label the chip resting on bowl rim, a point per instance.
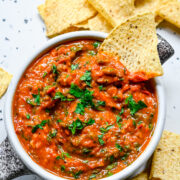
(135, 42)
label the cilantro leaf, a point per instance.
(54, 69)
(76, 125)
(104, 130)
(119, 147)
(28, 116)
(76, 91)
(96, 44)
(101, 103)
(39, 126)
(134, 107)
(122, 111)
(87, 78)
(118, 120)
(52, 134)
(59, 95)
(74, 66)
(80, 109)
(100, 138)
(77, 174)
(90, 122)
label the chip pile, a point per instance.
(61, 16)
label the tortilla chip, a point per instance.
(142, 6)
(166, 159)
(60, 15)
(99, 23)
(83, 26)
(135, 42)
(5, 79)
(41, 9)
(114, 11)
(142, 176)
(171, 12)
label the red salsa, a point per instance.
(80, 114)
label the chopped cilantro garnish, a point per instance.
(76, 91)
(109, 173)
(30, 102)
(86, 150)
(111, 166)
(63, 168)
(52, 134)
(28, 116)
(122, 111)
(96, 44)
(92, 176)
(134, 107)
(124, 157)
(85, 98)
(101, 103)
(44, 75)
(118, 120)
(39, 126)
(100, 138)
(101, 87)
(87, 78)
(59, 120)
(104, 130)
(150, 126)
(111, 158)
(90, 122)
(92, 53)
(59, 95)
(76, 125)
(74, 66)
(119, 147)
(134, 123)
(77, 174)
(58, 157)
(80, 109)
(140, 122)
(54, 69)
(37, 98)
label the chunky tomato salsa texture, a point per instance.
(80, 114)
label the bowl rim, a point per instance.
(33, 166)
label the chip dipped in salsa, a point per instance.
(80, 114)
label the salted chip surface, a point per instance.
(99, 23)
(142, 6)
(142, 176)
(60, 15)
(135, 42)
(166, 159)
(114, 11)
(170, 11)
(5, 79)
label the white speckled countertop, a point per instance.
(22, 31)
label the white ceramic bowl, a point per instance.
(132, 169)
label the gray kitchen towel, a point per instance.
(10, 165)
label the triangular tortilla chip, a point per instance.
(114, 11)
(142, 6)
(5, 79)
(99, 23)
(135, 42)
(60, 15)
(166, 158)
(170, 11)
